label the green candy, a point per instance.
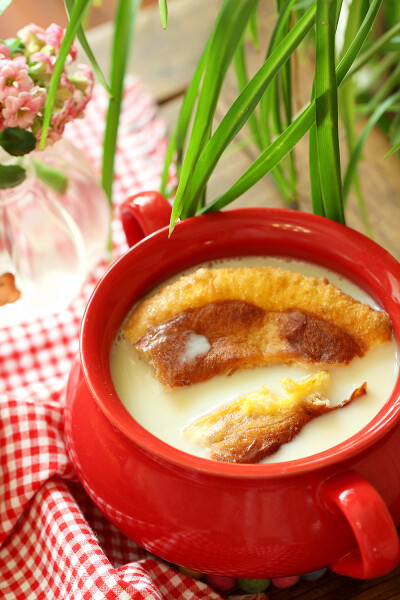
(253, 586)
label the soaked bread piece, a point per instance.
(257, 424)
(223, 337)
(220, 320)
(269, 288)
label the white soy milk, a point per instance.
(166, 412)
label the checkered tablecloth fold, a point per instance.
(54, 543)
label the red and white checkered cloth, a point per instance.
(54, 543)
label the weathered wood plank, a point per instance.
(165, 60)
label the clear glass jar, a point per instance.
(50, 242)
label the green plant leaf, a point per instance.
(17, 141)
(315, 181)
(3, 5)
(374, 49)
(69, 5)
(389, 85)
(395, 148)
(242, 78)
(178, 138)
(347, 95)
(253, 29)
(124, 26)
(56, 180)
(230, 24)
(15, 45)
(282, 145)
(163, 12)
(241, 109)
(356, 154)
(268, 160)
(77, 15)
(267, 103)
(326, 111)
(11, 176)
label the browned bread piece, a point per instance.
(270, 288)
(257, 424)
(235, 335)
(248, 317)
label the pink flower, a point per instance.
(83, 82)
(54, 35)
(22, 110)
(14, 77)
(5, 51)
(42, 63)
(33, 37)
(62, 117)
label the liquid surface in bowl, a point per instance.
(167, 412)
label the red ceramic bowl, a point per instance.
(335, 509)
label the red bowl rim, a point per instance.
(347, 239)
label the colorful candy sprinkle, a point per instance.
(285, 582)
(253, 586)
(221, 583)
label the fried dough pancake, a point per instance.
(250, 316)
(257, 424)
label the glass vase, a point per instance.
(50, 242)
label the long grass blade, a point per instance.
(269, 159)
(314, 167)
(314, 172)
(373, 49)
(253, 29)
(69, 4)
(242, 78)
(347, 92)
(388, 86)
(376, 72)
(285, 81)
(163, 12)
(231, 22)
(326, 111)
(77, 15)
(266, 103)
(357, 151)
(177, 140)
(243, 106)
(169, 157)
(124, 24)
(293, 134)
(395, 148)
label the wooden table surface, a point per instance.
(165, 60)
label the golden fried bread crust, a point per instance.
(269, 288)
(233, 433)
(251, 316)
(241, 336)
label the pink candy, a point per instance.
(285, 582)
(223, 584)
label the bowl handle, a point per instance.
(142, 214)
(378, 549)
